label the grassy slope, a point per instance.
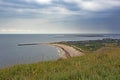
(102, 66)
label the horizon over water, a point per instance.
(11, 53)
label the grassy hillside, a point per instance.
(105, 65)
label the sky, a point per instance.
(59, 16)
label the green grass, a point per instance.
(92, 45)
(101, 65)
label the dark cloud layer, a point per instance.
(59, 16)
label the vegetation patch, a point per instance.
(92, 45)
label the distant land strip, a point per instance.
(29, 44)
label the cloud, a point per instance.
(15, 30)
(40, 1)
(81, 7)
(55, 15)
(33, 8)
(95, 5)
(101, 5)
(31, 26)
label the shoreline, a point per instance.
(65, 51)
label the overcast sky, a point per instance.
(59, 16)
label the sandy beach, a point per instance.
(66, 51)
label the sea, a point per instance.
(12, 54)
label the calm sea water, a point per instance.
(11, 54)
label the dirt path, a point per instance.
(66, 51)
